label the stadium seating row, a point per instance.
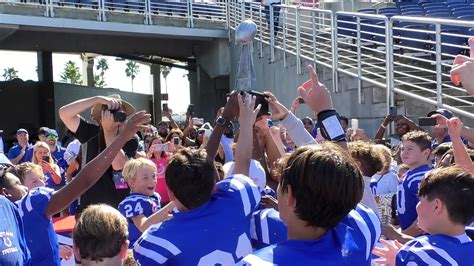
(411, 35)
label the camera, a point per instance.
(190, 110)
(119, 116)
(427, 121)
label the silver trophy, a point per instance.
(244, 35)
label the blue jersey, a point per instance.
(350, 242)
(137, 204)
(266, 228)
(16, 150)
(13, 249)
(39, 231)
(217, 232)
(407, 195)
(437, 250)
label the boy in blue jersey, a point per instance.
(37, 206)
(13, 248)
(415, 152)
(213, 223)
(318, 195)
(143, 201)
(100, 236)
(445, 207)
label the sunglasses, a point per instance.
(51, 137)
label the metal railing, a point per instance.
(149, 10)
(410, 56)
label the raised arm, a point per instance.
(463, 69)
(381, 131)
(318, 98)
(95, 168)
(69, 113)
(247, 116)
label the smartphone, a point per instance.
(427, 121)
(393, 111)
(300, 100)
(354, 124)
(176, 141)
(160, 147)
(45, 158)
(165, 107)
(260, 99)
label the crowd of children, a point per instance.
(283, 198)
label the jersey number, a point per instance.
(129, 208)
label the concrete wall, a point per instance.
(20, 105)
(283, 81)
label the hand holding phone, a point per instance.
(355, 124)
(176, 141)
(45, 158)
(160, 147)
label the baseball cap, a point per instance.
(446, 113)
(52, 133)
(21, 130)
(256, 173)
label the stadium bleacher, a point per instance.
(412, 35)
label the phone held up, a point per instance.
(426, 121)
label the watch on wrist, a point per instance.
(221, 121)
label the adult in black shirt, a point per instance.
(108, 190)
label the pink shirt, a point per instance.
(160, 177)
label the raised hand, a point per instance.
(279, 111)
(389, 253)
(455, 127)
(247, 113)
(295, 104)
(112, 103)
(317, 97)
(462, 71)
(136, 122)
(231, 108)
(107, 121)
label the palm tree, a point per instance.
(132, 70)
(71, 73)
(10, 73)
(165, 71)
(99, 80)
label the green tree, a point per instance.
(71, 74)
(165, 71)
(10, 73)
(102, 66)
(132, 70)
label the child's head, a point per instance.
(140, 175)
(320, 185)
(190, 177)
(101, 235)
(387, 157)
(10, 185)
(416, 148)
(369, 160)
(30, 174)
(445, 193)
(440, 151)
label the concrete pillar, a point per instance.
(211, 94)
(193, 84)
(155, 71)
(47, 112)
(88, 70)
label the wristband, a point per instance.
(330, 124)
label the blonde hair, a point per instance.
(40, 144)
(130, 170)
(24, 169)
(387, 157)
